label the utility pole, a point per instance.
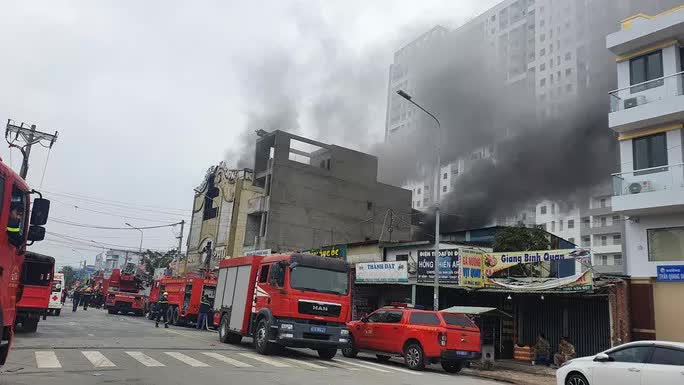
(391, 224)
(180, 243)
(30, 136)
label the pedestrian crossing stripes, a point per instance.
(187, 359)
(266, 360)
(113, 359)
(47, 360)
(98, 359)
(145, 359)
(228, 360)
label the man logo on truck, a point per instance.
(320, 307)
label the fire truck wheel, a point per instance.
(413, 356)
(30, 325)
(327, 354)
(58, 312)
(452, 366)
(225, 335)
(261, 337)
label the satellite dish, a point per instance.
(635, 188)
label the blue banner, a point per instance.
(671, 273)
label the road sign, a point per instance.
(671, 273)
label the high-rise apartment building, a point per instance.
(646, 114)
(551, 52)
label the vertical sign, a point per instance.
(448, 263)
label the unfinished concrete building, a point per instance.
(319, 194)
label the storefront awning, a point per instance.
(477, 310)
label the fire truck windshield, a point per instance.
(319, 280)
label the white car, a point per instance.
(634, 363)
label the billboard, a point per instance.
(336, 251)
(448, 263)
(376, 272)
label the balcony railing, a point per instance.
(663, 178)
(647, 92)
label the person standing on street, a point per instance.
(76, 298)
(86, 299)
(163, 307)
(65, 292)
(202, 318)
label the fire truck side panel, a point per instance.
(237, 287)
(36, 278)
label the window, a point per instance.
(376, 317)
(604, 240)
(393, 317)
(420, 318)
(585, 241)
(635, 354)
(278, 274)
(645, 68)
(666, 244)
(458, 320)
(650, 151)
(667, 356)
(617, 239)
(617, 259)
(603, 202)
(369, 205)
(571, 223)
(560, 225)
(553, 226)
(17, 216)
(553, 208)
(571, 240)
(263, 274)
(401, 257)
(603, 260)
(542, 52)
(568, 56)
(542, 67)
(604, 221)
(568, 71)
(542, 37)
(616, 219)
(444, 188)
(542, 209)
(444, 176)
(417, 203)
(425, 201)
(419, 192)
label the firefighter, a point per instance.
(163, 307)
(76, 298)
(14, 223)
(86, 298)
(202, 317)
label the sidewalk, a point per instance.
(515, 372)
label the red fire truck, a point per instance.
(295, 300)
(36, 278)
(126, 293)
(184, 297)
(14, 191)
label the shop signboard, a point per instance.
(376, 272)
(472, 263)
(671, 273)
(336, 251)
(448, 266)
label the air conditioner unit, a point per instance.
(635, 101)
(638, 187)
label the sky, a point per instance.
(147, 95)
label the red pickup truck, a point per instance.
(419, 336)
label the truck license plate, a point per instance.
(460, 353)
(318, 329)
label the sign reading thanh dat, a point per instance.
(372, 272)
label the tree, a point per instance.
(69, 275)
(153, 260)
(521, 238)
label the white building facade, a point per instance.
(647, 111)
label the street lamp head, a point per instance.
(404, 94)
(128, 224)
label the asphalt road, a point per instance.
(92, 347)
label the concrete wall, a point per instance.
(310, 206)
(637, 261)
(365, 253)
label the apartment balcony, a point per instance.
(258, 204)
(596, 211)
(606, 249)
(641, 31)
(597, 228)
(655, 102)
(649, 191)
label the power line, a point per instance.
(119, 203)
(77, 207)
(78, 224)
(88, 242)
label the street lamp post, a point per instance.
(141, 235)
(438, 171)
